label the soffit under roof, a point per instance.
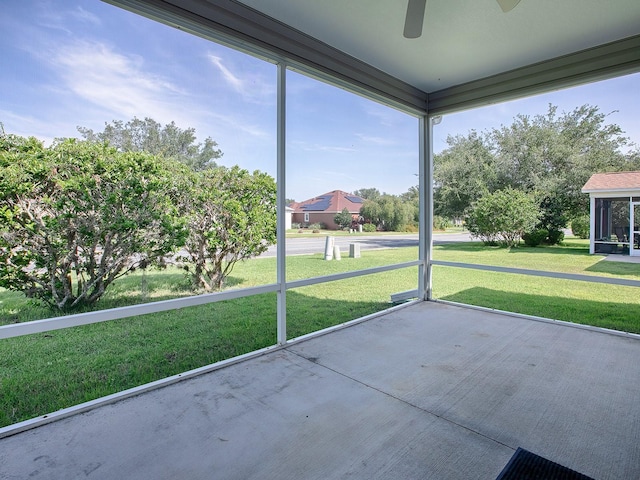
(462, 40)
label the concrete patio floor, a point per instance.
(621, 258)
(427, 391)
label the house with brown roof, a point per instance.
(323, 208)
(614, 212)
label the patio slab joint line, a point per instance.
(403, 401)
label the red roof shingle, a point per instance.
(331, 202)
(612, 181)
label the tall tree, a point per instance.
(412, 198)
(551, 155)
(463, 173)
(556, 154)
(389, 211)
(368, 193)
(168, 141)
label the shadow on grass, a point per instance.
(41, 373)
(546, 249)
(553, 250)
(612, 315)
(390, 242)
(15, 307)
(618, 269)
(306, 314)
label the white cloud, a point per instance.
(114, 81)
(51, 16)
(85, 16)
(251, 85)
(384, 115)
(238, 125)
(309, 147)
(26, 125)
(381, 141)
(332, 148)
(231, 79)
(93, 81)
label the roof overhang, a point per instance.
(613, 193)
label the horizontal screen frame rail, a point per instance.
(541, 273)
(75, 320)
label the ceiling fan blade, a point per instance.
(415, 18)
(507, 5)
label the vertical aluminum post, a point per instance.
(592, 224)
(281, 252)
(426, 205)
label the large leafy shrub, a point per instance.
(76, 216)
(503, 217)
(580, 226)
(231, 216)
(536, 237)
(343, 219)
(387, 211)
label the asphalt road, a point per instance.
(315, 244)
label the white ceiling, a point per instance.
(462, 40)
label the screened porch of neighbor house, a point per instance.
(615, 213)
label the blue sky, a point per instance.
(83, 63)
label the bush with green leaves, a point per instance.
(368, 227)
(503, 217)
(391, 212)
(343, 219)
(76, 216)
(555, 237)
(580, 226)
(536, 237)
(440, 223)
(552, 219)
(231, 216)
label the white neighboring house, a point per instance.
(287, 218)
(614, 212)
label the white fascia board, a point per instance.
(612, 193)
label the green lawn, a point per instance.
(44, 372)
(307, 232)
(608, 306)
(571, 257)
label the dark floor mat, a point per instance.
(525, 465)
